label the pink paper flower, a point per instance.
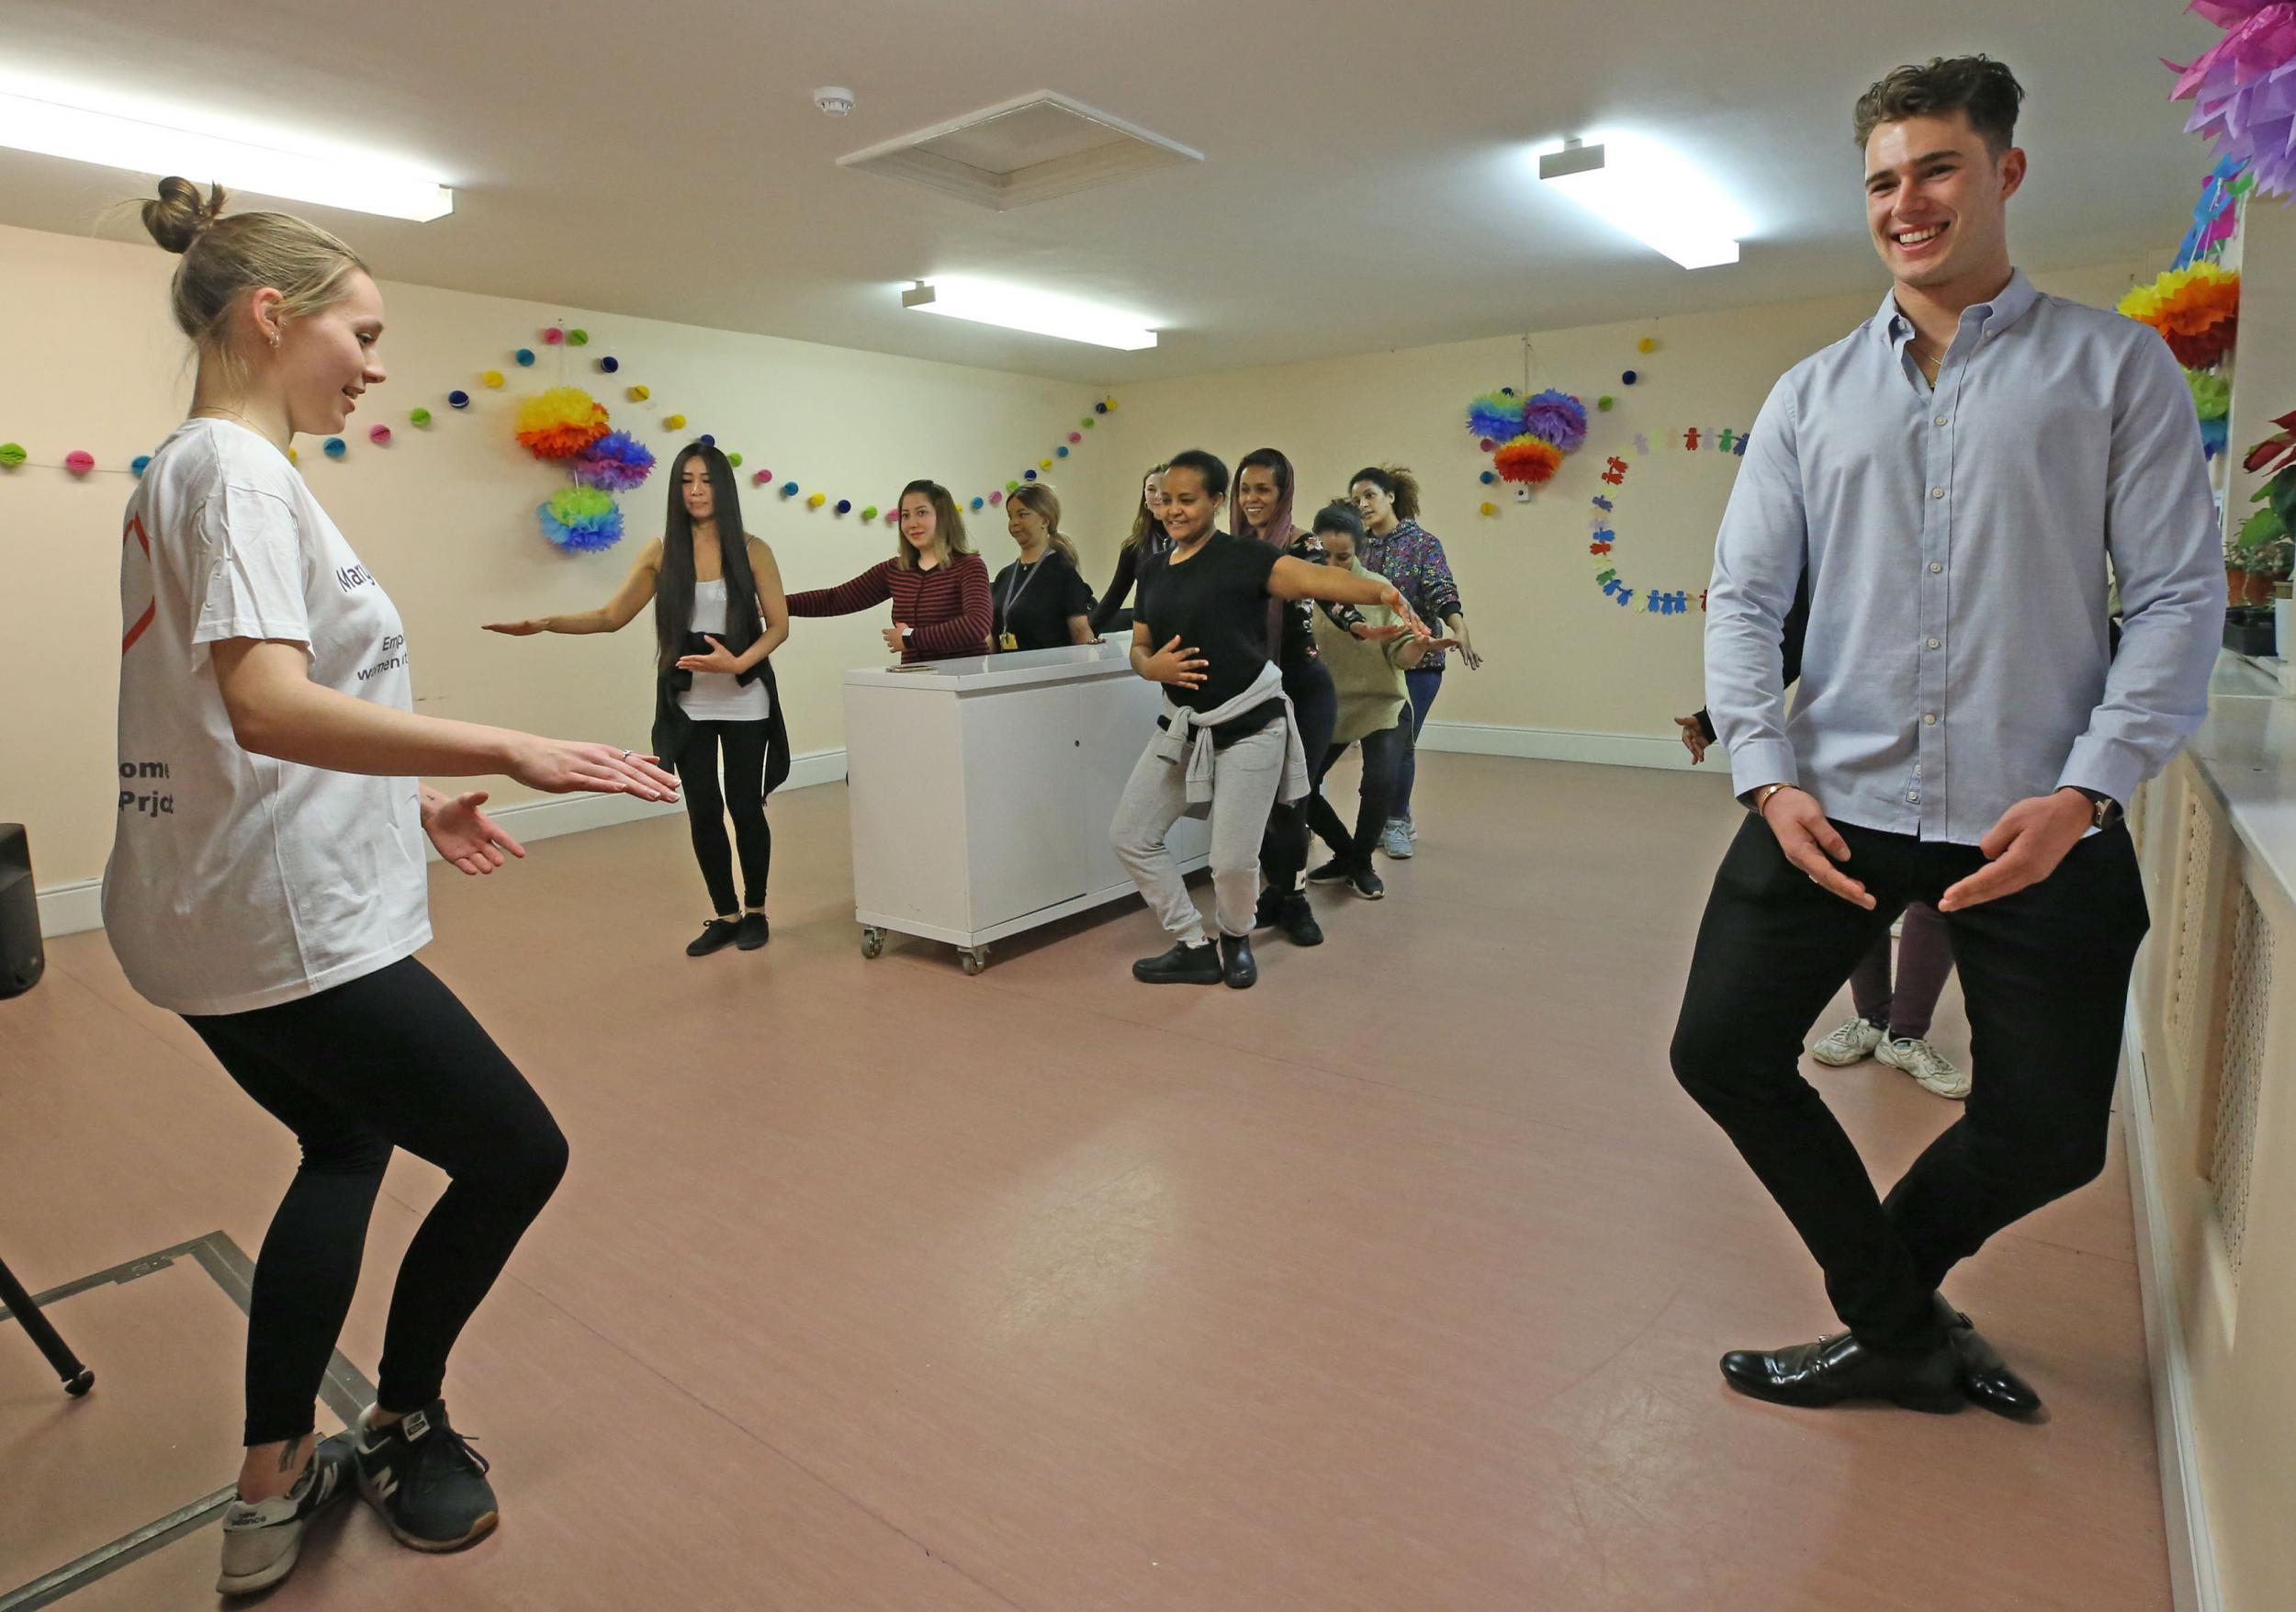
(2244, 87)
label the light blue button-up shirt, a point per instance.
(1957, 542)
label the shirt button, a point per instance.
(1930, 719)
(1939, 421)
(1937, 493)
(1914, 795)
(1935, 568)
(1937, 643)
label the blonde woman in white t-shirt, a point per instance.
(267, 881)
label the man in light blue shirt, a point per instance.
(1963, 478)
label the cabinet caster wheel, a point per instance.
(873, 943)
(974, 958)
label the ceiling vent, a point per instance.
(1023, 151)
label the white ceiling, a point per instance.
(1365, 184)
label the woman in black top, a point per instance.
(1040, 600)
(1264, 482)
(1227, 745)
(1146, 541)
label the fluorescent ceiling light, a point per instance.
(356, 181)
(1651, 193)
(1033, 312)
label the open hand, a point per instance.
(1694, 738)
(559, 766)
(465, 835)
(2023, 848)
(520, 629)
(1813, 844)
(720, 658)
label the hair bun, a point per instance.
(179, 217)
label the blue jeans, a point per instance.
(1424, 684)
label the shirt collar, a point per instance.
(2010, 304)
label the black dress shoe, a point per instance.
(716, 936)
(1298, 920)
(1986, 1378)
(1183, 964)
(1236, 962)
(1841, 1368)
(755, 932)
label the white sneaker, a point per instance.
(1397, 839)
(262, 1541)
(1853, 1043)
(1931, 1069)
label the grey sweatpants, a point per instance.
(1245, 777)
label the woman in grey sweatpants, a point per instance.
(1226, 746)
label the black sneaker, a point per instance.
(716, 936)
(427, 1481)
(1366, 883)
(1270, 912)
(753, 932)
(1183, 964)
(1236, 965)
(262, 1540)
(1298, 920)
(1331, 872)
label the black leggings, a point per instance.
(1384, 754)
(389, 1060)
(745, 745)
(1284, 846)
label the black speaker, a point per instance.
(22, 958)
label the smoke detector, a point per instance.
(836, 102)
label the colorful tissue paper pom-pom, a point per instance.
(2215, 434)
(2243, 88)
(79, 462)
(458, 400)
(616, 461)
(2211, 394)
(379, 435)
(1495, 415)
(560, 422)
(336, 448)
(1556, 417)
(580, 519)
(2195, 309)
(1528, 459)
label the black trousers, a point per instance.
(744, 797)
(2045, 976)
(388, 1060)
(1284, 846)
(1383, 756)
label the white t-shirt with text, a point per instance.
(238, 881)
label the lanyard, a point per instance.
(1019, 585)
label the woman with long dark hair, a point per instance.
(718, 616)
(938, 585)
(1145, 542)
(1263, 483)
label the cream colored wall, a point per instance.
(445, 515)
(1558, 654)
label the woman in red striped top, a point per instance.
(938, 585)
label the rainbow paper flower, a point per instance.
(578, 519)
(616, 462)
(1495, 415)
(1531, 459)
(2196, 310)
(2244, 87)
(561, 422)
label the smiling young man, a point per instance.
(1955, 476)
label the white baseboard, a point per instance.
(2191, 1547)
(66, 909)
(1559, 744)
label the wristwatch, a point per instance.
(2104, 812)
